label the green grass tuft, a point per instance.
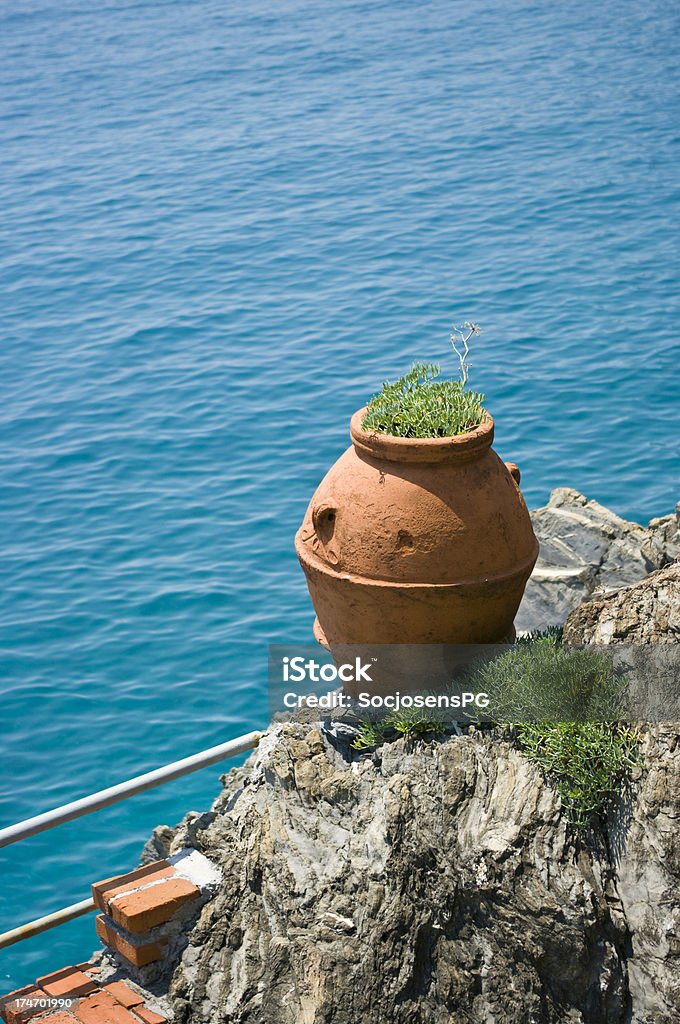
(412, 725)
(539, 680)
(420, 404)
(416, 723)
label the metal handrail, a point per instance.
(104, 798)
(112, 795)
(43, 924)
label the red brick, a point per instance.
(14, 1013)
(89, 968)
(139, 911)
(102, 1008)
(148, 1016)
(103, 891)
(137, 953)
(58, 1018)
(7, 1000)
(67, 982)
(124, 994)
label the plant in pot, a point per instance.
(419, 533)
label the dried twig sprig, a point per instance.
(460, 337)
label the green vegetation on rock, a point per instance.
(417, 724)
(560, 706)
(587, 763)
(563, 706)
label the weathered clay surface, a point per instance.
(417, 541)
(431, 885)
(586, 549)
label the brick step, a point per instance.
(145, 898)
(141, 911)
(74, 994)
(143, 908)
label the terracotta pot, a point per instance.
(411, 540)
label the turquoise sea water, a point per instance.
(222, 226)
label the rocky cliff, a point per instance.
(439, 881)
(648, 613)
(430, 885)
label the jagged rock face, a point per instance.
(584, 549)
(648, 852)
(645, 844)
(424, 886)
(647, 613)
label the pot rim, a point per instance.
(460, 448)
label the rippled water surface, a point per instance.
(222, 226)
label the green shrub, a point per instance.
(587, 762)
(538, 679)
(563, 705)
(370, 735)
(419, 404)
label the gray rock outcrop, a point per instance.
(587, 549)
(428, 885)
(646, 613)
(645, 844)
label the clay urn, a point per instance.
(417, 541)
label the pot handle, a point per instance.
(323, 521)
(513, 469)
